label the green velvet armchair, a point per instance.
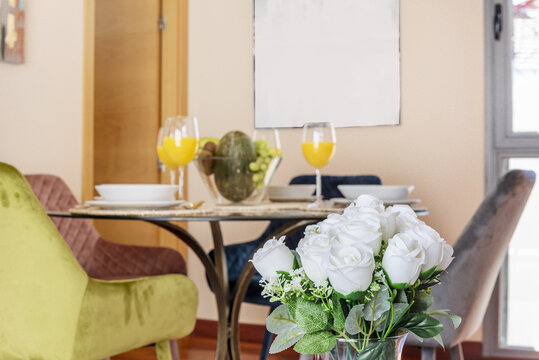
(50, 308)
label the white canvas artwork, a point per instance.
(326, 60)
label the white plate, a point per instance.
(344, 201)
(133, 204)
(382, 192)
(137, 192)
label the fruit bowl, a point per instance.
(232, 181)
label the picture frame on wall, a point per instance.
(12, 31)
(326, 60)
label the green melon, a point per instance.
(232, 176)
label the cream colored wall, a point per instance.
(41, 100)
(438, 146)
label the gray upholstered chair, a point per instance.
(479, 253)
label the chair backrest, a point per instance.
(330, 182)
(42, 283)
(80, 234)
(479, 253)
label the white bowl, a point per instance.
(382, 192)
(137, 192)
(291, 191)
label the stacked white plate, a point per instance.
(135, 196)
(389, 194)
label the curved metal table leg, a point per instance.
(215, 276)
(243, 282)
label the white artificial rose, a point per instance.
(350, 268)
(406, 218)
(403, 259)
(369, 201)
(432, 245)
(366, 231)
(314, 251)
(331, 225)
(388, 224)
(274, 256)
(447, 257)
(311, 229)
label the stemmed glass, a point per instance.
(163, 157)
(180, 144)
(318, 145)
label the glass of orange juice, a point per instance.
(165, 161)
(180, 145)
(318, 145)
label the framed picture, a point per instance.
(326, 60)
(12, 31)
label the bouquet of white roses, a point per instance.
(365, 274)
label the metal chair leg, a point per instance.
(456, 352)
(428, 353)
(266, 342)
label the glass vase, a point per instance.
(389, 348)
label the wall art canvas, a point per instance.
(12, 31)
(326, 60)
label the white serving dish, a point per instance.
(136, 192)
(291, 191)
(382, 192)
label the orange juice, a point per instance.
(181, 152)
(319, 154)
(164, 158)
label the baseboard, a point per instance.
(255, 333)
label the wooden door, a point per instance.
(127, 104)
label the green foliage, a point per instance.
(279, 320)
(339, 318)
(310, 316)
(422, 325)
(423, 302)
(456, 319)
(378, 350)
(354, 320)
(316, 343)
(287, 338)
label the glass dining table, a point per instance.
(295, 216)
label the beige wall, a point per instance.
(438, 147)
(41, 101)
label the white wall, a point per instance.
(41, 100)
(438, 147)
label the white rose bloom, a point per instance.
(447, 257)
(366, 231)
(406, 218)
(388, 224)
(350, 268)
(311, 229)
(314, 251)
(274, 256)
(369, 201)
(331, 225)
(403, 259)
(432, 244)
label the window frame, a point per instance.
(501, 143)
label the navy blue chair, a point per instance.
(238, 255)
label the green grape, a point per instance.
(254, 166)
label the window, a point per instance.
(512, 141)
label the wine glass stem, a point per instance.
(318, 185)
(172, 173)
(180, 183)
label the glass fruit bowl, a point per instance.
(231, 180)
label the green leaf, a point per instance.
(297, 260)
(378, 350)
(310, 316)
(401, 297)
(286, 339)
(353, 320)
(354, 296)
(338, 313)
(423, 302)
(438, 338)
(421, 325)
(316, 343)
(279, 320)
(455, 318)
(427, 273)
(378, 305)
